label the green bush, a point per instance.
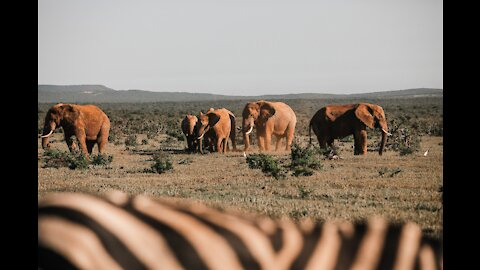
(55, 153)
(56, 159)
(162, 163)
(77, 161)
(304, 160)
(102, 159)
(268, 164)
(405, 141)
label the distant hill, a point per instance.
(103, 94)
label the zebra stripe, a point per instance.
(80, 231)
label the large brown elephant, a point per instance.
(217, 124)
(87, 122)
(189, 129)
(269, 118)
(338, 121)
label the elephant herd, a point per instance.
(216, 127)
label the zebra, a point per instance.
(118, 231)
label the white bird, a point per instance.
(244, 155)
(426, 153)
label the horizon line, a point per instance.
(321, 93)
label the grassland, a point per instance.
(399, 187)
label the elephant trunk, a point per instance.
(47, 132)
(246, 133)
(200, 145)
(383, 142)
(191, 130)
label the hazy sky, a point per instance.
(242, 47)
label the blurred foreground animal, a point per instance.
(118, 232)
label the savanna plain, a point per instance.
(405, 183)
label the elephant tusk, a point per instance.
(48, 135)
(249, 131)
(201, 136)
(388, 133)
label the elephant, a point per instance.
(87, 122)
(338, 121)
(269, 118)
(217, 124)
(189, 129)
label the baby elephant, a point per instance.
(87, 122)
(189, 129)
(218, 125)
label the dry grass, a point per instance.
(349, 188)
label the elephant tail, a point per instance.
(310, 133)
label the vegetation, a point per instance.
(162, 163)
(268, 164)
(397, 186)
(304, 160)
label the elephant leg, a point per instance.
(90, 145)
(362, 147)
(356, 143)
(82, 138)
(227, 147)
(225, 144)
(360, 142)
(322, 141)
(72, 146)
(101, 142)
(278, 142)
(189, 143)
(330, 143)
(261, 143)
(219, 145)
(290, 136)
(268, 140)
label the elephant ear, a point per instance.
(266, 111)
(69, 112)
(213, 119)
(364, 114)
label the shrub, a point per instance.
(144, 142)
(77, 161)
(405, 141)
(55, 159)
(304, 160)
(162, 163)
(102, 160)
(268, 164)
(55, 153)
